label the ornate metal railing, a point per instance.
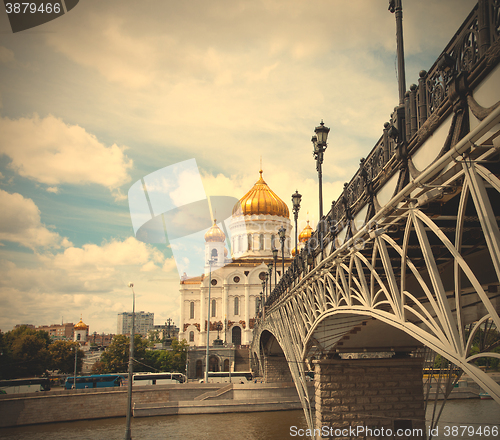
(426, 105)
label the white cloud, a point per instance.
(91, 280)
(51, 152)
(20, 223)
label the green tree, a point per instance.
(62, 354)
(115, 358)
(24, 353)
(30, 354)
(179, 353)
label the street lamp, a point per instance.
(296, 197)
(319, 144)
(76, 358)
(210, 262)
(130, 367)
(282, 235)
(270, 267)
(275, 257)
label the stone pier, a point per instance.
(371, 398)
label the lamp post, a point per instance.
(396, 7)
(270, 267)
(210, 262)
(130, 367)
(296, 197)
(319, 144)
(187, 362)
(76, 357)
(282, 235)
(264, 291)
(275, 257)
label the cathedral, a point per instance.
(235, 282)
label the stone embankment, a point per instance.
(191, 398)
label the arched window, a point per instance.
(78, 336)
(261, 242)
(273, 241)
(214, 252)
(249, 242)
(191, 336)
(236, 306)
(214, 308)
(191, 310)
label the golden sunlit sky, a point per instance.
(115, 90)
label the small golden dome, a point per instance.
(293, 251)
(214, 234)
(306, 233)
(261, 200)
(80, 325)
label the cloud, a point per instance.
(6, 55)
(91, 280)
(20, 223)
(51, 152)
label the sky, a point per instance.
(116, 90)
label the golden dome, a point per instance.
(80, 325)
(293, 251)
(261, 200)
(214, 234)
(306, 233)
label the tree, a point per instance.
(24, 353)
(179, 352)
(62, 356)
(115, 358)
(30, 354)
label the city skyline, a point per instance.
(99, 98)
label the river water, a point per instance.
(239, 426)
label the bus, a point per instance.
(229, 377)
(157, 378)
(95, 381)
(436, 373)
(28, 385)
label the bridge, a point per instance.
(406, 264)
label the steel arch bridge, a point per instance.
(409, 256)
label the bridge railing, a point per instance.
(426, 105)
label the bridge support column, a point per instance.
(365, 396)
(276, 369)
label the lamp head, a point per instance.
(296, 197)
(322, 133)
(130, 284)
(281, 233)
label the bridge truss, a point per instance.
(427, 264)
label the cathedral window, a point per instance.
(273, 241)
(236, 306)
(191, 336)
(214, 308)
(214, 252)
(191, 310)
(249, 242)
(261, 242)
